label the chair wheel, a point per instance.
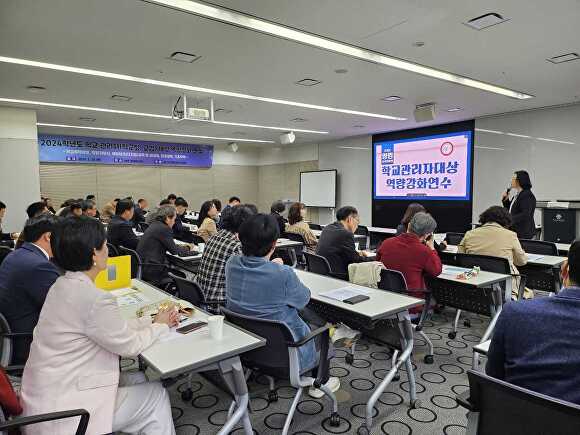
(363, 430)
(467, 323)
(397, 377)
(349, 358)
(428, 359)
(452, 335)
(272, 396)
(187, 395)
(334, 419)
(415, 404)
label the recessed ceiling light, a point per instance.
(485, 21)
(36, 89)
(341, 71)
(298, 120)
(525, 136)
(358, 126)
(545, 139)
(564, 58)
(308, 82)
(181, 56)
(277, 30)
(391, 98)
(418, 44)
(156, 133)
(123, 98)
(87, 119)
(151, 115)
(455, 109)
(154, 82)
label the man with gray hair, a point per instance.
(413, 253)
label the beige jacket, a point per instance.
(207, 229)
(74, 357)
(304, 230)
(367, 273)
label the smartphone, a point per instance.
(191, 327)
(356, 299)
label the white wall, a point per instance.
(288, 154)
(19, 173)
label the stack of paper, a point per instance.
(129, 296)
(340, 294)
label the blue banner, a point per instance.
(96, 150)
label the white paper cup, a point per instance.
(200, 247)
(216, 327)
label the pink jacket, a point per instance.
(74, 357)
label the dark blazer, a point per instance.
(138, 215)
(336, 244)
(152, 247)
(120, 233)
(25, 278)
(180, 232)
(536, 345)
(281, 223)
(523, 214)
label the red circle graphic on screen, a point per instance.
(446, 148)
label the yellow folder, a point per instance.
(116, 275)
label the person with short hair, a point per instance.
(336, 242)
(211, 276)
(207, 220)
(6, 238)
(535, 343)
(412, 210)
(171, 198)
(120, 229)
(179, 231)
(233, 201)
(276, 210)
(36, 208)
(495, 238)
(165, 202)
(74, 357)
(140, 211)
(413, 253)
(89, 208)
(521, 206)
(297, 225)
(26, 274)
(109, 210)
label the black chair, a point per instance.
(7, 343)
(362, 231)
(197, 239)
(454, 238)
(4, 251)
(497, 407)
(317, 264)
(113, 251)
(298, 251)
(136, 263)
(541, 277)
(11, 426)
(315, 227)
(539, 247)
(191, 292)
(279, 358)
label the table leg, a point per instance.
(233, 375)
(496, 311)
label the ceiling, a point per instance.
(136, 37)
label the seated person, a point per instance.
(276, 210)
(36, 208)
(109, 210)
(412, 210)
(494, 238)
(181, 232)
(155, 242)
(89, 208)
(26, 274)
(336, 242)
(296, 224)
(49, 206)
(171, 198)
(535, 344)
(413, 253)
(6, 239)
(140, 211)
(74, 358)
(258, 287)
(120, 229)
(206, 222)
(211, 276)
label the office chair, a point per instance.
(362, 231)
(315, 227)
(191, 292)
(113, 251)
(279, 359)
(539, 247)
(298, 259)
(7, 342)
(454, 238)
(4, 251)
(136, 262)
(497, 407)
(541, 277)
(195, 239)
(317, 264)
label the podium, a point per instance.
(560, 220)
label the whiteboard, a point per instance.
(318, 188)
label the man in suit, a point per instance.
(140, 211)
(522, 206)
(26, 275)
(180, 232)
(536, 344)
(89, 208)
(120, 229)
(336, 242)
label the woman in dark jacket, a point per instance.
(276, 210)
(522, 206)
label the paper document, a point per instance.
(453, 270)
(534, 257)
(134, 298)
(340, 294)
(452, 248)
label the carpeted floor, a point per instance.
(437, 385)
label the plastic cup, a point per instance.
(216, 327)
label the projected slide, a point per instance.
(424, 168)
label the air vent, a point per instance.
(308, 82)
(123, 98)
(299, 120)
(391, 98)
(181, 56)
(568, 57)
(36, 89)
(485, 21)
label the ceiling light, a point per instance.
(156, 133)
(391, 98)
(253, 23)
(564, 58)
(150, 115)
(123, 98)
(97, 73)
(455, 109)
(181, 56)
(418, 44)
(518, 135)
(483, 130)
(36, 89)
(308, 82)
(341, 71)
(555, 140)
(87, 119)
(485, 21)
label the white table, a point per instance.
(286, 243)
(317, 233)
(544, 260)
(563, 248)
(381, 305)
(391, 231)
(197, 352)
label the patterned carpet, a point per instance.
(437, 385)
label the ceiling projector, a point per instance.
(287, 138)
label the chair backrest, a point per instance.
(113, 251)
(362, 230)
(508, 409)
(315, 227)
(197, 239)
(539, 247)
(136, 263)
(5, 342)
(142, 226)
(317, 264)
(485, 262)
(454, 238)
(393, 280)
(189, 291)
(4, 251)
(296, 238)
(273, 357)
